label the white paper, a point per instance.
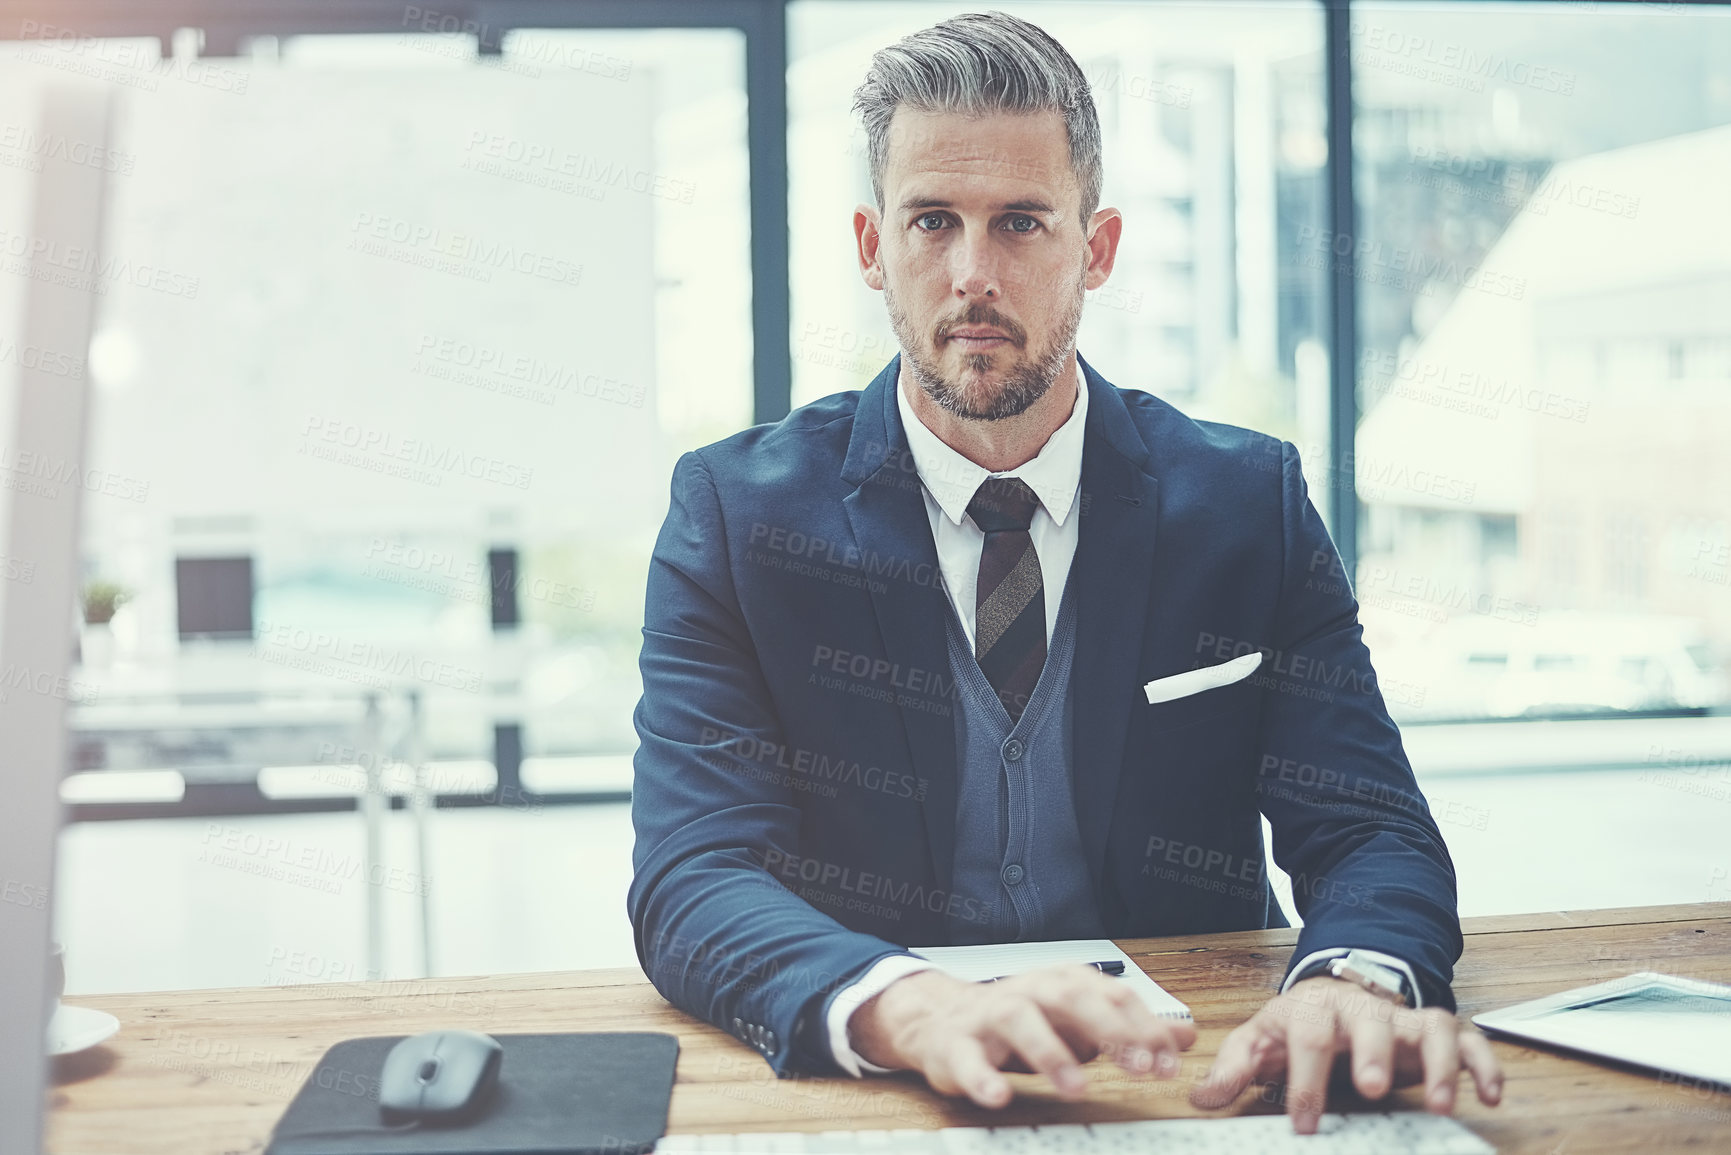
(1661, 1021)
(996, 960)
(1655, 1024)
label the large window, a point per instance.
(1544, 278)
(1544, 380)
(397, 338)
(418, 344)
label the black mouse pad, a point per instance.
(572, 1094)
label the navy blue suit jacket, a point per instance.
(795, 794)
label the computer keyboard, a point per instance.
(1402, 1133)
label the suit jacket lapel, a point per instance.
(894, 537)
(1113, 569)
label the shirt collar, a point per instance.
(1053, 474)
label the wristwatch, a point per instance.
(1356, 967)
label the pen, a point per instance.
(1109, 967)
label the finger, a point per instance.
(1109, 1018)
(1080, 1004)
(1371, 1037)
(1487, 1073)
(1180, 1034)
(1094, 1024)
(1235, 1065)
(1053, 989)
(1020, 1022)
(965, 1070)
(1440, 1049)
(1310, 1050)
(1158, 1033)
(1409, 1027)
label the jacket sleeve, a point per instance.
(716, 931)
(1368, 864)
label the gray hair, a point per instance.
(977, 63)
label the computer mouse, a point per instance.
(439, 1076)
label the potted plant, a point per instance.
(96, 642)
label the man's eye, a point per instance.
(1034, 224)
(930, 217)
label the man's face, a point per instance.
(980, 255)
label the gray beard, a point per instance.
(1026, 382)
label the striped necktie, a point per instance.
(1009, 600)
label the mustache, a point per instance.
(982, 317)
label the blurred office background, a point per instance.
(403, 321)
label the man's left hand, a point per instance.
(1302, 1032)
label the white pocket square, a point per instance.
(1207, 678)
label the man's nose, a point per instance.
(975, 267)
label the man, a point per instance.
(897, 659)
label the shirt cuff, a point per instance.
(849, 999)
(1377, 956)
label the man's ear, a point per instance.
(867, 232)
(1107, 227)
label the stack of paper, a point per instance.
(997, 960)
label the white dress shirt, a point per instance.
(948, 483)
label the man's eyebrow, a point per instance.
(1025, 206)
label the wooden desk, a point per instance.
(208, 1072)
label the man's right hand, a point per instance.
(961, 1035)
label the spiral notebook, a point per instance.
(996, 960)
